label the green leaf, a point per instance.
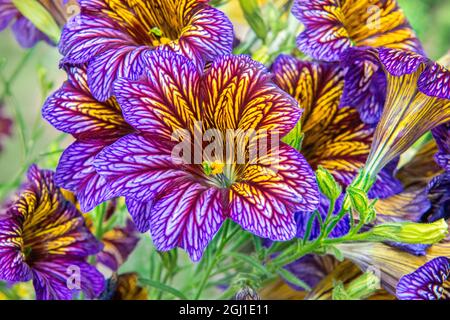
(40, 17)
(251, 261)
(252, 14)
(163, 288)
(290, 277)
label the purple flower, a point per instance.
(44, 238)
(72, 109)
(332, 26)
(113, 37)
(429, 282)
(185, 201)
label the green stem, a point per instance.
(216, 259)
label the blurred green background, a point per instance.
(32, 137)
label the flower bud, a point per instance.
(327, 184)
(360, 202)
(409, 232)
(247, 293)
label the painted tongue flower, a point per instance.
(95, 125)
(43, 238)
(418, 100)
(332, 26)
(117, 34)
(334, 138)
(184, 201)
(429, 282)
(392, 264)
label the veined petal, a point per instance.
(115, 63)
(241, 95)
(333, 26)
(164, 101)
(429, 282)
(365, 83)
(118, 33)
(60, 279)
(140, 211)
(119, 243)
(76, 172)
(268, 194)
(334, 137)
(73, 109)
(12, 265)
(138, 166)
(188, 216)
(442, 136)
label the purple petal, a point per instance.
(60, 279)
(27, 34)
(138, 166)
(429, 282)
(442, 136)
(114, 63)
(187, 217)
(76, 172)
(435, 81)
(399, 62)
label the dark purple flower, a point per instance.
(429, 282)
(113, 37)
(44, 238)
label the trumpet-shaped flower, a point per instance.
(429, 282)
(95, 125)
(334, 138)
(332, 26)
(43, 238)
(418, 93)
(112, 37)
(184, 200)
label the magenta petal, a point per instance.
(138, 166)
(188, 216)
(163, 101)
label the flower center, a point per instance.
(218, 174)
